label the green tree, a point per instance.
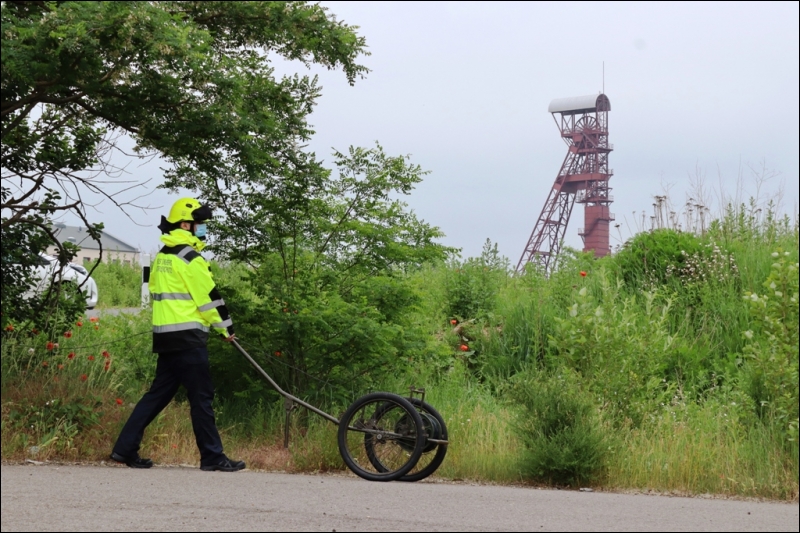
(191, 82)
(328, 256)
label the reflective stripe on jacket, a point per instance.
(186, 303)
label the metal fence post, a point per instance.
(145, 280)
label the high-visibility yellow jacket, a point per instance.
(186, 303)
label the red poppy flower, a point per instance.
(107, 366)
(91, 358)
(94, 319)
(9, 328)
(35, 331)
(106, 354)
(67, 334)
(174, 445)
(277, 354)
(583, 273)
(44, 364)
(79, 324)
(60, 366)
(84, 377)
(50, 346)
(464, 348)
(119, 401)
(96, 326)
(71, 355)
(453, 321)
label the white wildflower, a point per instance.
(772, 286)
(754, 297)
(786, 254)
(775, 254)
(31, 351)
(573, 311)
(582, 292)
(598, 312)
(779, 294)
(748, 334)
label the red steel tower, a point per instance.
(583, 178)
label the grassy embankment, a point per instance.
(674, 372)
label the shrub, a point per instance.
(649, 259)
(559, 429)
(471, 286)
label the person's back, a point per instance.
(186, 303)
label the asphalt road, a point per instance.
(105, 498)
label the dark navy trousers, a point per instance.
(190, 369)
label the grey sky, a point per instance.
(464, 89)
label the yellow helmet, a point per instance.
(188, 209)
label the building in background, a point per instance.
(114, 249)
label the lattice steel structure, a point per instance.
(583, 178)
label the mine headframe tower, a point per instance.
(583, 178)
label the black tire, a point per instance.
(394, 440)
(432, 454)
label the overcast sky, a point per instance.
(464, 88)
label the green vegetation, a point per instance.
(672, 365)
(683, 382)
(119, 285)
(559, 429)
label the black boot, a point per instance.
(133, 462)
(224, 465)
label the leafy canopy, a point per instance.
(191, 82)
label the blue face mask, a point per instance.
(200, 231)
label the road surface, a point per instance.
(106, 498)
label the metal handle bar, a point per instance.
(282, 392)
(310, 407)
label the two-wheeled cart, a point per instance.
(382, 436)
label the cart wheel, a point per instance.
(432, 453)
(381, 429)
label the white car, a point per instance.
(89, 288)
(49, 269)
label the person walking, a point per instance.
(186, 307)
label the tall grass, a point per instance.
(708, 451)
(118, 285)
